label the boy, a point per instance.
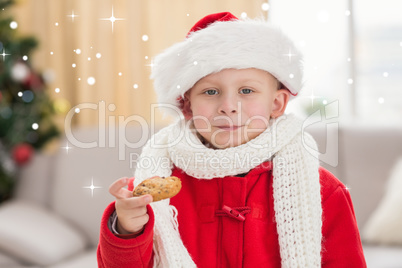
(251, 196)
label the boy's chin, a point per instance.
(224, 144)
(234, 141)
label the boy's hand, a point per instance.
(131, 211)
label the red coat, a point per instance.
(214, 239)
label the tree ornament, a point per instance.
(34, 82)
(20, 72)
(22, 153)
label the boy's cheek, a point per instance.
(257, 124)
(202, 124)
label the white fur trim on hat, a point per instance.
(237, 44)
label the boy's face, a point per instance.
(231, 107)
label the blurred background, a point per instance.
(97, 51)
(93, 51)
(83, 67)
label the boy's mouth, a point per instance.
(229, 127)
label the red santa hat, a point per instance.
(222, 41)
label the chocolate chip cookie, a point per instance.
(160, 188)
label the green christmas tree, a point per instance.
(26, 110)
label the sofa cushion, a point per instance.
(86, 259)
(382, 256)
(7, 261)
(36, 236)
(384, 225)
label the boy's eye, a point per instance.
(211, 92)
(246, 91)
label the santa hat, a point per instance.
(222, 41)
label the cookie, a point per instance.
(160, 188)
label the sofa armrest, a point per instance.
(34, 180)
(35, 235)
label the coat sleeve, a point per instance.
(341, 246)
(115, 252)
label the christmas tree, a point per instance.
(26, 110)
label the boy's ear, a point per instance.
(281, 99)
(186, 108)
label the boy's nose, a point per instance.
(229, 105)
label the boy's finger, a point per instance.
(117, 189)
(137, 201)
(145, 199)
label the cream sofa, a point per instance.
(53, 221)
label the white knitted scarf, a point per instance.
(296, 186)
